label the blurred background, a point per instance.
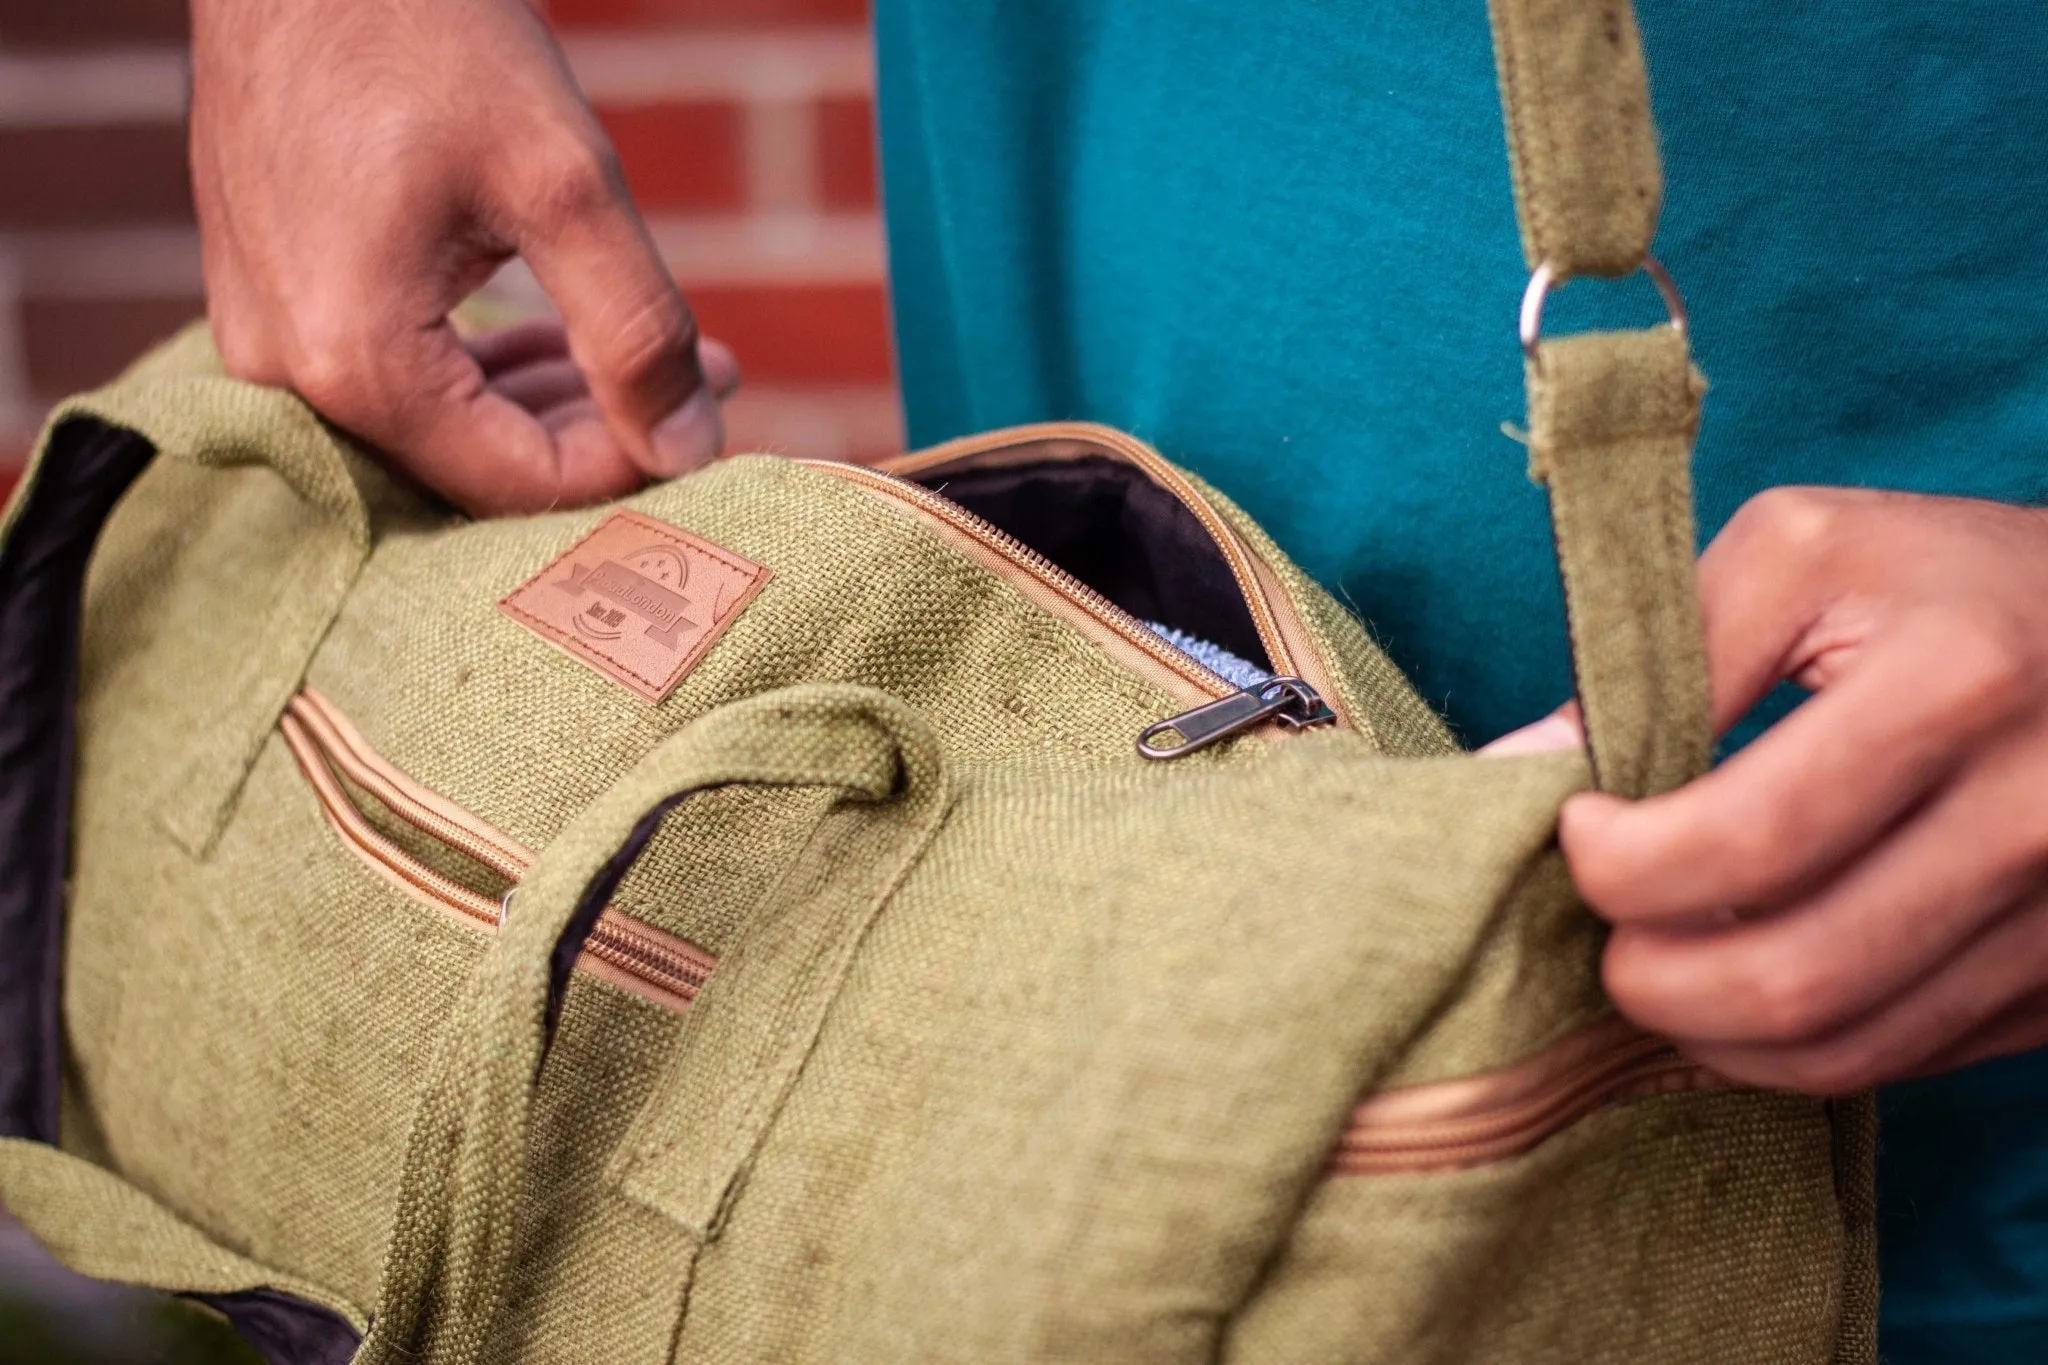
(747, 133)
(745, 126)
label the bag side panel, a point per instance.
(1682, 1230)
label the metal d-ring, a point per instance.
(1546, 275)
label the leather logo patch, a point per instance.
(638, 600)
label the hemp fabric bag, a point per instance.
(738, 925)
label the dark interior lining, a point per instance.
(284, 1330)
(42, 587)
(1104, 522)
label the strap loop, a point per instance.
(1545, 277)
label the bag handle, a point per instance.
(452, 1239)
(1612, 415)
(187, 411)
(176, 403)
(181, 399)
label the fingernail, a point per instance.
(1551, 733)
(690, 436)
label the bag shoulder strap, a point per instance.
(1611, 415)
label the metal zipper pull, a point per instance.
(1290, 701)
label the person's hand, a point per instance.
(360, 167)
(1861, 895)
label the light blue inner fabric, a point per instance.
(1214, 657)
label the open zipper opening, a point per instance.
(334, 758)
(1479, 1120)
(1283, 636)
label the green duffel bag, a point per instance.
(995, 909)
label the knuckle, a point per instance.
(323, 380)
(326, 369)
(1786, 1002)
(1763, 854)
(569, 182)
(242, 352)
(1744, 854)
(1794, 523)
(1988, 661)
(640, 344)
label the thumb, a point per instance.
(630, 332)
(1561, 729)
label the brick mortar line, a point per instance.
(779, 144)
(112, 86)
(647, 65)
(830, 248)
(146, 84)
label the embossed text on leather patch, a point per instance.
(638, 600)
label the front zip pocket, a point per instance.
(1281, 634)
(338, 765)
(1479, 1120)
(1445, 1125)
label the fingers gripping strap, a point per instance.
(1611, 418)
(1588, 185)
(452, 1236)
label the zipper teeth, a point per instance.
(359, 834)
(1643, 1065)
(630, 952)
(321, 741)
(1235, 552)
(1129, 627)
(1227, 540)
(345, 749)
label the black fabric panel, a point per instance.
(1108, 525)
(284, 1330)
(42, 582)
(596, 896)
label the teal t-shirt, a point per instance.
(1277, 240)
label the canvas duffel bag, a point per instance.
(991, 909)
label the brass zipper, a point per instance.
(1289, 644)
(1267, 609)
(1281, 631)
(1014, 554)
(1478, 1120)
(635, 956)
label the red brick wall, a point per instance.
(745, 127)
